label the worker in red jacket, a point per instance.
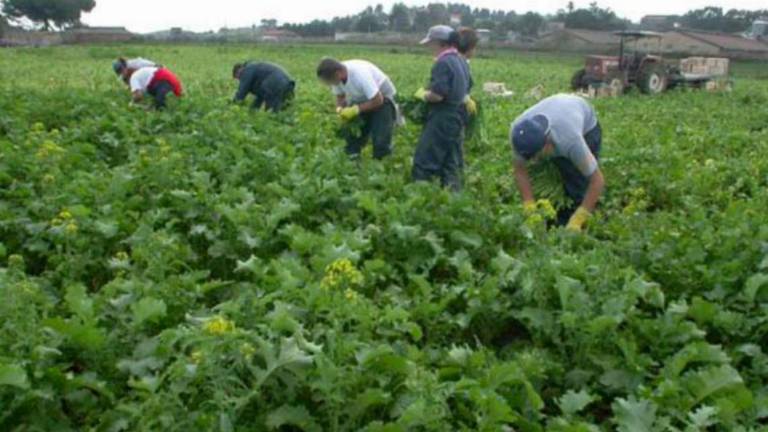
(156, 82)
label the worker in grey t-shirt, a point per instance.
(565, 129)
(125, 68)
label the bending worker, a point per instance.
(440, 152)
(271, 85)
(564, 129)
(157, 82)
(363, 90)
(124, 68)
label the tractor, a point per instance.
(631, 68)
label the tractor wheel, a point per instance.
(653, 80)
(578, 80)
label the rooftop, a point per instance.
(727, 41)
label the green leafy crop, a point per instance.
(213, 268)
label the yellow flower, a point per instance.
(48, 178)
(48, 148)
(534, 221)
(351, 295)
(71, 228)
(122, 256)
(196, 357)
(65, 215)
(546, 209)
(218, 325)
(15, 261)
(247, 350)
(341, 273)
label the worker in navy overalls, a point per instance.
(440, 153)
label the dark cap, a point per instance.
(530, 135)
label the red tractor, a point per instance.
(632, 68)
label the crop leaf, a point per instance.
(78, 302)
(705, 383)
(632, 415)
(148, 309)
(754, 286)
(702, 418)
(290, 415)
(13, 375)
(573, 402)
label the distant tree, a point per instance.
(269, 23)
(438, 14)
(716, 19)
(400, 18)
(530, 24)
(421, 20)
(316, 28)
(369, 22)
(593, 18)
(48, 13)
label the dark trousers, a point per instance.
(160, 93)
(574, 182)
(275, 95)
(379, 126)
(440, 153)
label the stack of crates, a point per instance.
(710, 66)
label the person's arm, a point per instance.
(373, 104)
(341, 100)
(138, 96)
(246, 83)
(594, 191)
(440, 83)
(523, 181)
(432, 97)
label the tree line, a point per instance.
(405, 19)
(53, 14)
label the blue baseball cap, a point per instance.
(118, 66)
(530, 135)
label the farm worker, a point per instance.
(157, 82)
(440, 152)
(564, 129)
(271, 85)
(363, 91)
(124, 68)
(467, 46)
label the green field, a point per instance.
(210, 268)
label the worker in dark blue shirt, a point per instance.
(440, 153)
(269, 83)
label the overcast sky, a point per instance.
(150, 15)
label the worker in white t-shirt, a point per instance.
(124, 68)
(363, 90)
(156, 82)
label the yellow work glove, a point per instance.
(576, 224)
(471, 106)
(421, 94)
(529, 208)
(349, 113)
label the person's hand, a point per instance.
(529, 208)
(349, 113)
(471, 106)
(578, 220)
(421, 94)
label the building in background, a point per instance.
(593, 41)
(697, 43)
(658, 23)
(97, 35)
(759, 30)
